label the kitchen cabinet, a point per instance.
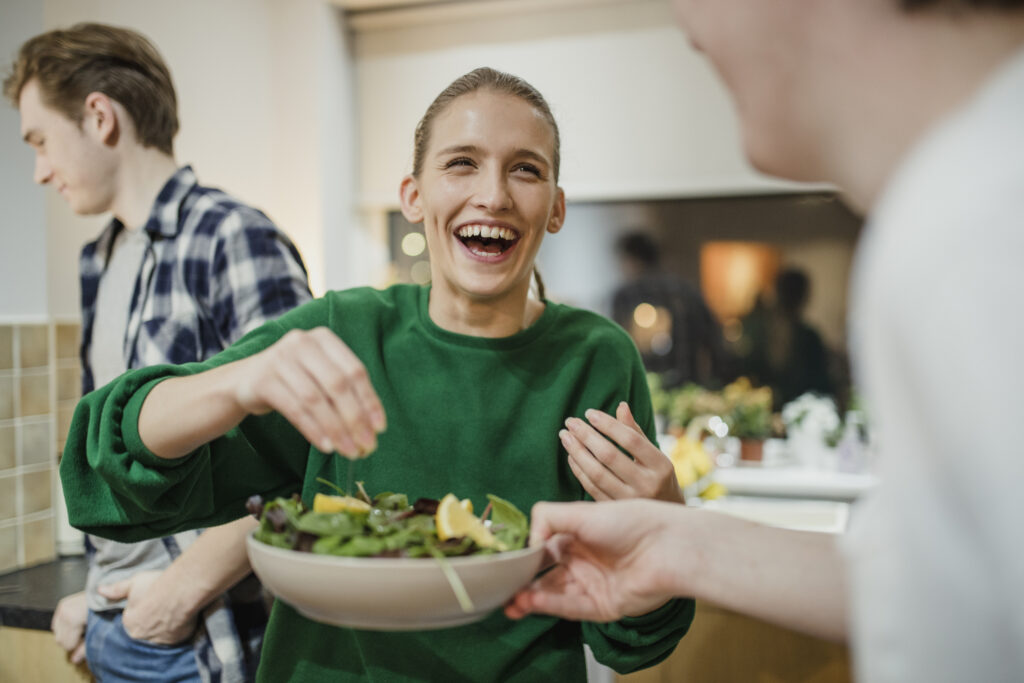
(33, 655)
(723, 646)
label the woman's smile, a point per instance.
(488, 241)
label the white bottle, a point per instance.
(852, 454)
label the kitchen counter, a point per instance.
(827, 516)
(794, 482)
(27, 600)
(29, 596)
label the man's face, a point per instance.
(72, 158)
(758, 48)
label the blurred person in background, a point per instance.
(667, 317)
(179, 273)
(779, 349)
(914, 108)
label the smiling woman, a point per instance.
(467, 385)
(484, 184)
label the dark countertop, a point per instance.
(29, 596)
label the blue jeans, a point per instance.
(116, 657)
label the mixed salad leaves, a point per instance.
(387, 525)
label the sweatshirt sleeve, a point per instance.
(636, 643)
(117, 488)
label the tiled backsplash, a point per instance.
(6, 347)
(39, 386)
(8, 456)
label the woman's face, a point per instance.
(486, 195)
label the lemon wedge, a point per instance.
(455, 519)
(325, 503)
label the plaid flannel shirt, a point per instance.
(213, 270)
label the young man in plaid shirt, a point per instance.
(180, 272)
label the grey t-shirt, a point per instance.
(116, 561)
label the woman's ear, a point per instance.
(558, 213)
(101, 118)
(409, 194)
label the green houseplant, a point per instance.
(749, 416)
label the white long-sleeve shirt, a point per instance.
(936, 555)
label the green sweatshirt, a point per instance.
(466, 415)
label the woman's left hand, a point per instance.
(608, 474)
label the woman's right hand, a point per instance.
(315, 381)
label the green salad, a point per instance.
(387, 525)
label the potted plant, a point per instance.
(813, 429)
(692, 401)
(818, 437)
(748, 412)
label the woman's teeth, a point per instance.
(488, 231)
(486, 240)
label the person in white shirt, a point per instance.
(914, 109)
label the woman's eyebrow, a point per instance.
(530, 154)
(459, 149)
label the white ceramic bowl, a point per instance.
(390, 594)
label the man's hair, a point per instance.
(69, 64)
(961, 5)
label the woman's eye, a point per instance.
(461, 161)
(528, 168)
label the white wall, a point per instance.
(273, 92)
(347, 237)
(641, 114)
(23, 223)
(311, 136)
(257, 97)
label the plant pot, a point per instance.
(751, 450)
